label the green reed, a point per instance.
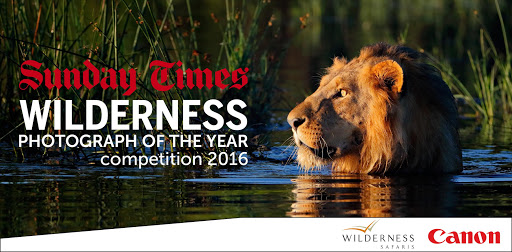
(131, 34)
(492, 77)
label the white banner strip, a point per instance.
(286, 234)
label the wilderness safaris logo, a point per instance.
(378, 236)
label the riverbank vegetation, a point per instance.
(491, 76)
(131, 34)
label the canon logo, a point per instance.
(438, 236)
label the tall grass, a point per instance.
(131, 34)
(492, 77)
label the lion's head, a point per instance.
(384, 111)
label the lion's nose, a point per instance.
(296, 122)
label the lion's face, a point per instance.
(331, 124)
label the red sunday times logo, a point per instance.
(438, 236)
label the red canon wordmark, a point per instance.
(463, 237)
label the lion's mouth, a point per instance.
(325, 152)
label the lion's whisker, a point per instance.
(326, 146)
(291, 156)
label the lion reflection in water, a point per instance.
(372, 196)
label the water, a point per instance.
(41, 199)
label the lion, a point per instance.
(384, 112)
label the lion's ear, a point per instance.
(389, 74)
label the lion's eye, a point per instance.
(340, 94)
